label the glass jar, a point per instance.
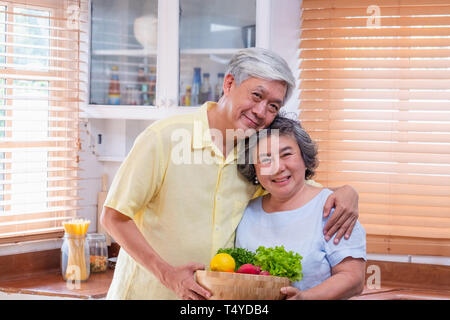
(75, 258)
(98, 252)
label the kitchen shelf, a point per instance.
(110, 158)
(144, 53)
(208, 51)
(125, 112)
(125, 52)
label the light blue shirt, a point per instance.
(300, 230)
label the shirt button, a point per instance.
(217, 228)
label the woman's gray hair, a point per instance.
(263, 64)
(284, 126)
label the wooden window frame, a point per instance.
(63, 108)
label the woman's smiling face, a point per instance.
(279, 166)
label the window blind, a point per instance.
(375, 94)
(41, 44)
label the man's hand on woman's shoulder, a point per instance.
(344, 200)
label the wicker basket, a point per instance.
(240, 286)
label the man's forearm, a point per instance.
(126, 233)
(179, 279)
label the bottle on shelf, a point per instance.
(218, 87)
(128, 95)
(131, 96)
(205, 89)
(152, 86)
(142, 88)
(196, 84)
(186, 101)
(114, 87)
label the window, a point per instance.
(375, 94)
(40, 94)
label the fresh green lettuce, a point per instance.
(279, 262)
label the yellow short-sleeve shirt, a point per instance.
(184, 197)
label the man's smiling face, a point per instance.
(254, 103)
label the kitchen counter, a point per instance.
(52, 284)
(37, 275)
(407, 281)
(402, 293)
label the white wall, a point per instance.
(285, 40)
(117, 139)
(90, 174)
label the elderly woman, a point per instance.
(281, 159)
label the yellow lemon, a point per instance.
(222, 262)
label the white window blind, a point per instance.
(40, 92)
(375, 94)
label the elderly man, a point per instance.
(171, 212)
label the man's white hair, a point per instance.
(263, 64)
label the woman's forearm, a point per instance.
(339, 286)
(347, 280)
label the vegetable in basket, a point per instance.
(241, 256)
(279, 262)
